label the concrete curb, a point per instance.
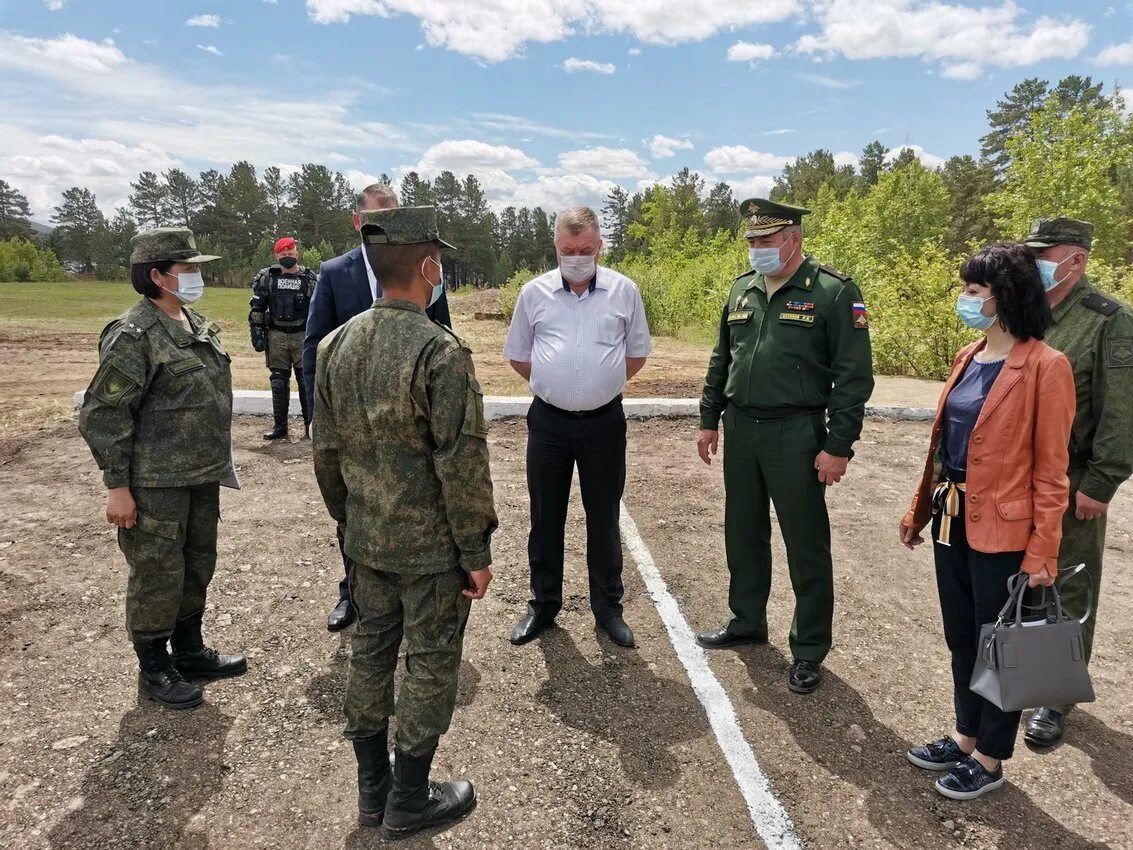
(496, 407)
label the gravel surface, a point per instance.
(571, 741)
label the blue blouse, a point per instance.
(962, 409)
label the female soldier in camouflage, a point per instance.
(157, 417)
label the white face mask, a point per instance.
(578, 269)
(190, 286)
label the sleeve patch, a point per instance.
(1120, 353)
(860, 314)
(475, 425)
(111, 384)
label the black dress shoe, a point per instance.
(1044, 729)
(804, 676)
(276, 433)
(341, 617)
(721, 639)
(618, 630)
(528, 628)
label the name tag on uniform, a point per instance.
(805, 318)
(737, 316)
(289, 285)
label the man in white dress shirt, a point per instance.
(578, 334)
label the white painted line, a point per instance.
(767, 814)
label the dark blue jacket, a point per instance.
(343, 291)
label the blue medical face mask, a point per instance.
(766, 260)
(970, 310)
(1048, 271)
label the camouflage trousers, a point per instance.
(1083, 542)
(284, 351)
(430, 613)
(171, 551)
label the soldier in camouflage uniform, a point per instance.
(157, 417)
(1095, 332)
(790, 377)
(402, 462)
(281, 299)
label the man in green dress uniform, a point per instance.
(790, 376)
(1095, 332)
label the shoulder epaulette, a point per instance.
(748, 273)
(134, 322)
(1101, 303)
(453, 334)
(833, 272)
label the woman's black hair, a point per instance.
(139, 277)
(1009, 268)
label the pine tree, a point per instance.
(110, 245)
(76, 221)
(183, 197)
(148, 200)
(687, 191)
(15, 214)
(721, 212)
(970, 222)
(615, 221)
(801, 180)
(275, 190)
(1012, 116)
(872, 163)
(415, 192)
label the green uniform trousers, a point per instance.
(171, 551)
(1083, 542)
(430, 612)
(284, 350)
(773, 461)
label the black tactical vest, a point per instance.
(288, 301)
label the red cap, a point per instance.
(284, 244)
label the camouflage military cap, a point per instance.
(1046, 232)
(763, 217)
(401, 226)
(167, 243)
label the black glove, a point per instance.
(259, 338)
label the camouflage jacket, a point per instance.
(158, 412)
(1095, 332)
(400, 443)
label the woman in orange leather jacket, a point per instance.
(995, 489)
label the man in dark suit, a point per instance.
(347, 287)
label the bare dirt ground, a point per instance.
(44, 368)
(572, 742)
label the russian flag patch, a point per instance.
(860, 314)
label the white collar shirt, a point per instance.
(577, 345)
(371, 276)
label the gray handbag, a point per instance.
(1029, 663)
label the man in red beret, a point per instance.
(281, 298)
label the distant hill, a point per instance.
(41, 229)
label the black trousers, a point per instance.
(556, 441)
(973, 588)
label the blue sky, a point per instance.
(549, 102)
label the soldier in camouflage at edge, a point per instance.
(158, 418)
(1095, 332)
(401, 457)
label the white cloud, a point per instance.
(560, 191)
(781, 132)
(516, 124)
(738, 159)
(759, 186)
(572, 65)
(54, 5)
(962, 71)
(928, 160)
(745, 51)
(203, 21)
(957, 36)
(94, 92)
(208, 48)
(465, 156)
(663, 147)
(634, 51)
(828, 82)
(844, 158)
(501, 29)
(604, 162)
(1116, 54)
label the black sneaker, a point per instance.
(969, 780)
(944, 754)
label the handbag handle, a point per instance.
(1064, 575)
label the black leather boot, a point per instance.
(304, 405)
(374, 778)
(415, 803)
(280, 402)
(197, 661)
(159, 680)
